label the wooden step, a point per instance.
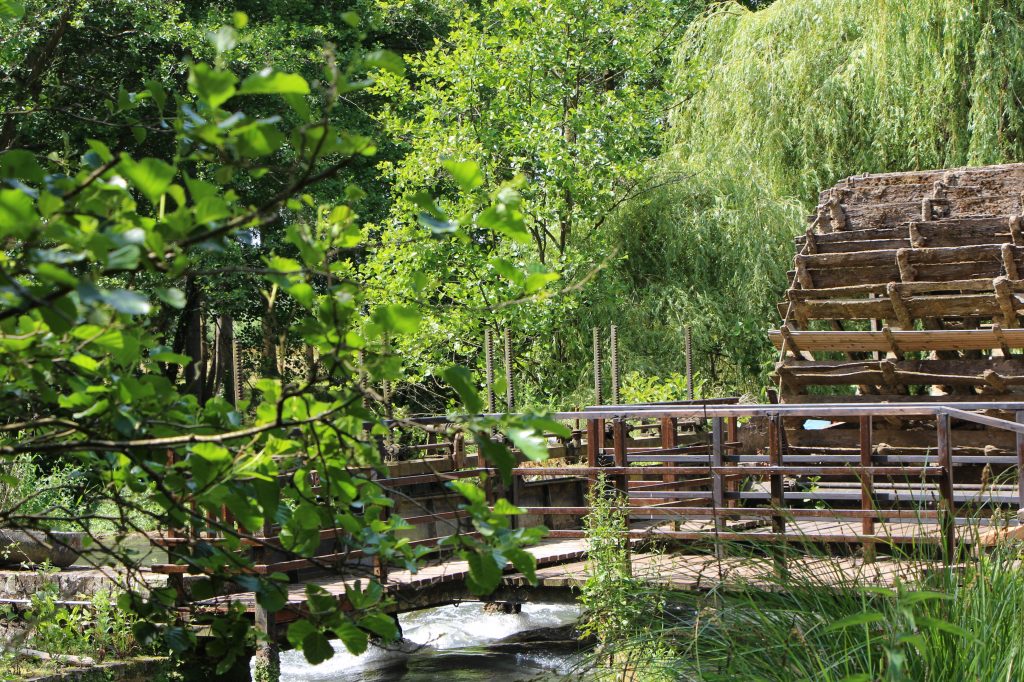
(988, 306)
(998, 373)
(864, 216)
(899, 340)
(939, 233)
(1000, 178)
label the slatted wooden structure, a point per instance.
(908, 287)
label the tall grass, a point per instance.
(955, 625)
(771, 107)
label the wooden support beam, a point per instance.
(899, 306)
(1005, 299)
(1015, 230)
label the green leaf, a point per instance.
(536, 281)
(461, 379)
(386, 60)
(223, 39)
(437, 227)
(524, 562)
(171, 296)
(865, 618)
(469, 490)
(380, 624)
(129, 302)
(498, 456)
(84, 361)
(298, 631)
(484, 573)
(17, 214)
(150, 176)
(21, 164)
(466, 173)
(271, 82)
(11, 9)
(124, 258)
(401, 319)
(506, 508)
(529, 443)
(354, 639)
(211, 86)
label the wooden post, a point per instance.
(732, 435)
(1019, 416)
(668, 441)
(595, 438)
(621, 483)
(717, 483)
(947, 506)
(778, 497)
(867, 491)
(619, 454)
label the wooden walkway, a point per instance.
(563, 568)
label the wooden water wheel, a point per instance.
(908, 287)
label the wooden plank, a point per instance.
(907, 340)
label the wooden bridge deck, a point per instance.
(563, 568)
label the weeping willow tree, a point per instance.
(773, 106)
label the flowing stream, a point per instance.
(461, 643)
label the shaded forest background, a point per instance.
(666, 151)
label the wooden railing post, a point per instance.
(668, 441)
(778, 497)
(380, 567)
(867, 487)
(621, 482)
(717, 481)
(732, 435)
(946, 502)
(619, 454)
(595, 437)
(1019, 417)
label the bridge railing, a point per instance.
(712, 473)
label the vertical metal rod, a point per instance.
(717, 483)
(510, 395)
(614, 343)
(867, 487)
(489, 369)
(946, 503)
(598, 377)
(689, 362)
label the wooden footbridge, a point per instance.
(898, 430)
(711, 505)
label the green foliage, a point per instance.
(562, 94)
(101, 242)
(953, 626)
(771, 107)
(618, 606)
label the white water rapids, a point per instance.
(456, 643)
